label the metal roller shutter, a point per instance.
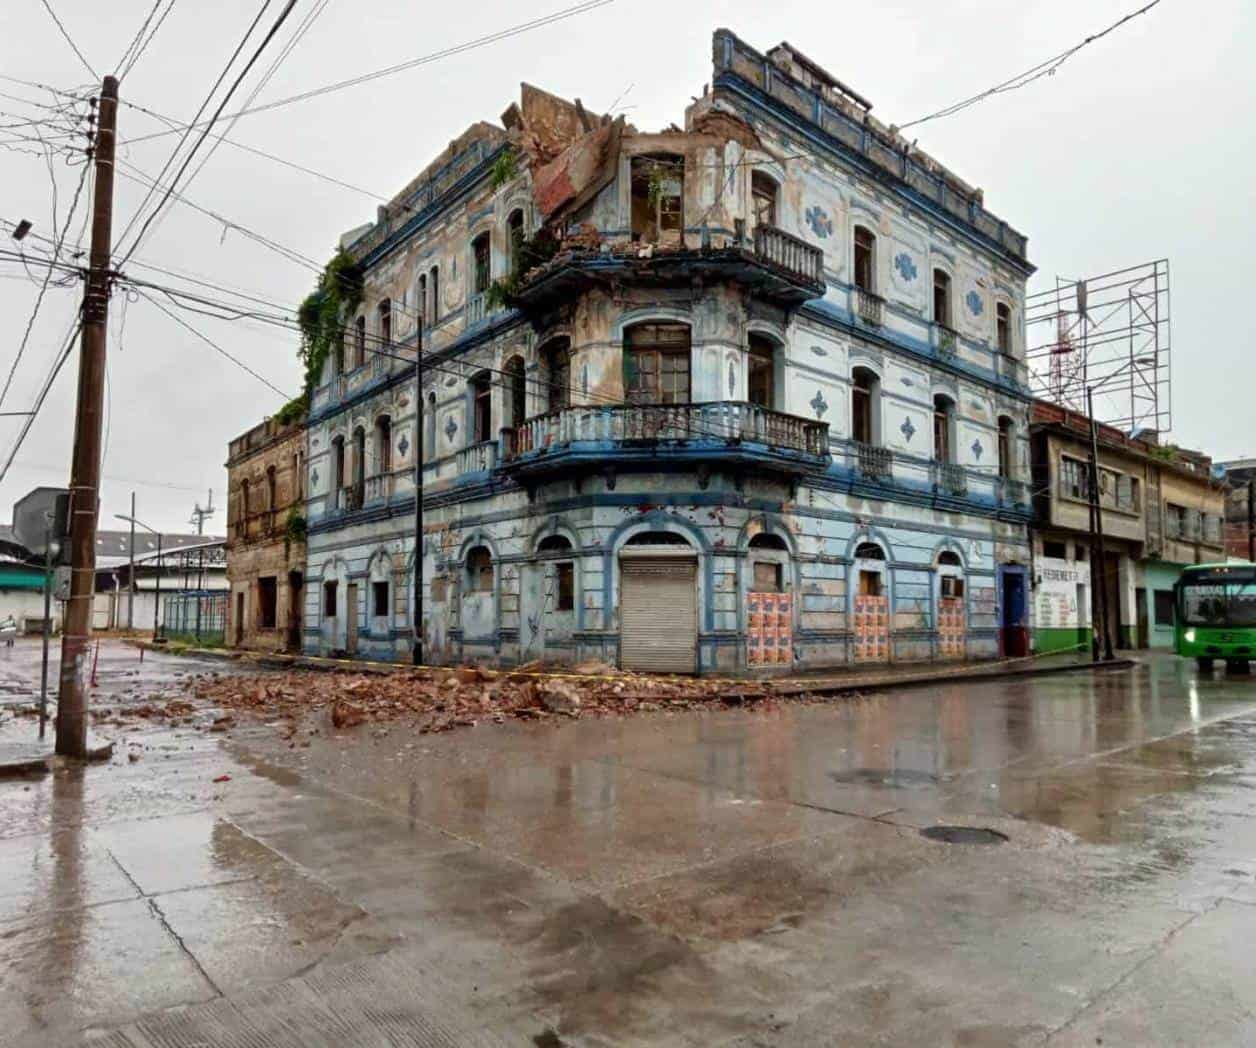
(658, 615)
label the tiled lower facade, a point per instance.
(823, 579)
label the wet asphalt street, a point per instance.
(716, 878)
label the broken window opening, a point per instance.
(329, 598)
(480, 570)
(557, 357)
(379, 598)
(359, 342)
(267, 598)
(384, 312)
(763, 191)
(658, 185)
(1005, 447)
(864, 403)
(516, 390)
(943, 423)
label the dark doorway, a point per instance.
(1014, 635)
(295, 581)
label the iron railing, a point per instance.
(1013, 492)
(950, 478)
(868, 306)
(872, 461)
(722, 420)
(788, 252)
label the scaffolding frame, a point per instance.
(1110, 334)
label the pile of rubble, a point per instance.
(440, 700)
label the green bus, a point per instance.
(1216, 614)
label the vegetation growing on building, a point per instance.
(530, 253)
(323, 315)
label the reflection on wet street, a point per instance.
(739, 877)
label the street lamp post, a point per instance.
(132, 520)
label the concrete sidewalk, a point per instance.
(819, 682)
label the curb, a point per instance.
(974, 676)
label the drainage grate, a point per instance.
(963, 835)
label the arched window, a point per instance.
(942, 297)
(433, 286)
(658, 192)
(429, 427)
(761, 381)
(556, 357)
(763, 193)
(1006, 434)
(359, 342)
(949, 558)
(383, 444)
(272, 489)
(514, 237)
(359, 460)
(422, 300)
(337, 465)
(656, 364)
(479, 570)
(656, 538)
(865, 259)
(516, 391)
(561, 594)
(768, 572)
(943, 429)
(383, 314)
(244, 500)
(865, 406)
(338, 356)
(1003, 327)
(298, 475)
(481, 263)
(481, 408)
(869, 551)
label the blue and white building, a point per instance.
(755, 400)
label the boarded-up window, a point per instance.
(767, 577)
(656, 364)
(439, 587)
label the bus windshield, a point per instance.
(1219, 603)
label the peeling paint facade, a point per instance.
(756, 402)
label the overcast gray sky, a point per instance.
(1136, 149)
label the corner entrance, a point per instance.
(658, 605)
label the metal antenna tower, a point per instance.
(1111, 334)
(200, 514)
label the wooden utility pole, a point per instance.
(85, 467)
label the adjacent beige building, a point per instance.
(266, 540)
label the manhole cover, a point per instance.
(963, 835)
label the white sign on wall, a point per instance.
(1055, 599)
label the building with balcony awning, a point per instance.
(746, 394)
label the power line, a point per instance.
(217, 83)
(69, 40)
(58, 364)
(121, 72)
(214, 345)
(491, 38)
(39, 299)
(1046, 68)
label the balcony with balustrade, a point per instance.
(949, 479)
(870, 461)
(773, 265)
(730, 434)
(869, 307)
